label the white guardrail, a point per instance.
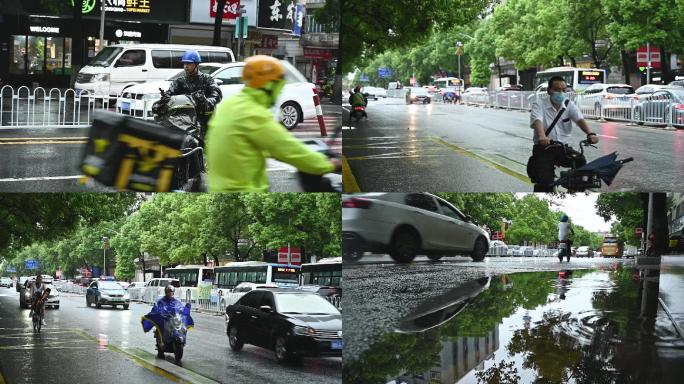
(506, 252)
(646, 110)
(214, 300)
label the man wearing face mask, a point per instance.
(243, 133)
(545, 155)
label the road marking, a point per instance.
(42, 178)
(348, 180)
(484, 160)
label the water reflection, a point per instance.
(581, 326)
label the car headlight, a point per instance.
(304, 331)
(104, 296)
(101, 77)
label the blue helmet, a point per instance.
(564, 218)
(191, 57)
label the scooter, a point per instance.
(330, 182)
(358, 113)
(179, 113)
(565, 249)
(171, 327)
(591, 175)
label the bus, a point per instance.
(190, 277)
(577, 78)
(259, 272)
(324, 272)
(612, 246)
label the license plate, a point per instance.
(125, 106)
(336, 344)
(116, 299)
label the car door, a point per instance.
(458, 233)
(129, 68)
(247, 317)
(422, 212)
(263, 321)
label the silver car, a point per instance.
(407, 224)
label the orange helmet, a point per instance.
(261, 69)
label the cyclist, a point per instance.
(243, 133)
(545, 156)
(37, 290)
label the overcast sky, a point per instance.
(582, 210)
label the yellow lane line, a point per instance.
(484, 160)
(348, 179)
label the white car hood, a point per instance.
(91, 70)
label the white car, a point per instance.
(135, 290)
(296, 101)
(154, 289)
(374, 92)
(498, 248)
(229, 298)
(584, 251)
(408, 224)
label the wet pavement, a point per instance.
(47, 159)
(89, 343)
(446, 147)
(513, 320)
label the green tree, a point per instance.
(485, 208)
(533, 221)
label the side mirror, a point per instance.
(218, 81)
(266, 308)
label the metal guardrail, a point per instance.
(508, 252)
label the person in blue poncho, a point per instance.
(163, 311)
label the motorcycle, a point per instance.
(358, 113)
(179, 113)
(591, 175)
(331, 182)
(171, 325)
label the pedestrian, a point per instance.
(551, 119)
(408, 96)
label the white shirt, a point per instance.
(563, 231)
(543, 110)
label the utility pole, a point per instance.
(218, 19)
(102, 19)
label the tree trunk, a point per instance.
(625, 64)
(561, 61)
(216, 261)
(665, 65)
(217, 22)
(573, 61)
(76, 41)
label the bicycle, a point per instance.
(39, 311)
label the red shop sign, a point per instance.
(229, 11)
(315, 53)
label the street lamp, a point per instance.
(459, 45)
(105, 245)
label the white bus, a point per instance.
(324, 272)
(190, 278)
(259, 272)
(449, 82)
(577, 78)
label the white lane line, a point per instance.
(42, 178)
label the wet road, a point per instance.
(77, 339)
(467, 148)
(589, 321)
(47, 159)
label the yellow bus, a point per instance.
(612, 246)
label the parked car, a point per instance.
(230, 297)
(612, 98)
(292, 323)
(509, 95)
(527, 251)
(117, 67)
(154, 289)
(514, 250)
(498, 248)
(21, 282)
(663, 105)
(107, 292)
(647, 89)
(5, 282)
(295, 102)
(419, 95)
(431, 89)
(407, 224)
(374, 92)
(135, 290)
(584, 251)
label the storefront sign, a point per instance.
(44, 29)
(229, 11)
(122, 33)
(277, 14)
(299, 20)
(135, 6)
(268, 42)
(318, 54)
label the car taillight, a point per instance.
(356, 202)
(679, 106)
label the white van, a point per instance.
(118, 67)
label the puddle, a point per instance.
(580, 326)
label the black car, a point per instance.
(330, 293)
(292, 323)
(107, 293)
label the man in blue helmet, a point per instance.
(202, 86)
(564, 232)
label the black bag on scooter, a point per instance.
(131, 154)
(532, 161)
